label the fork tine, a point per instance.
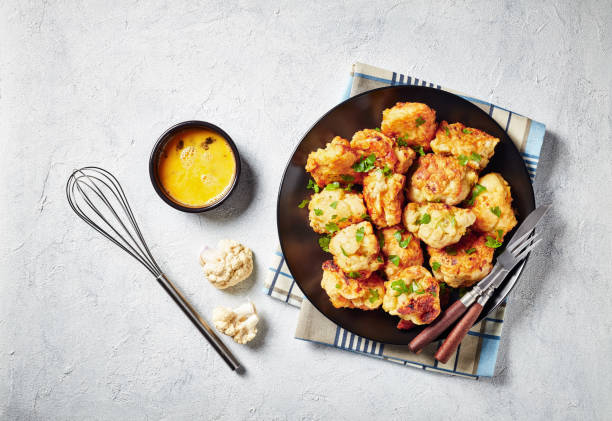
(519, 241)
(524, 244)
(528, 249)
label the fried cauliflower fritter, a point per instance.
(413, 295)
(401, 249)
(343, 291)
(493, 207)
(440, 178)
(464, 263)
(334, 163)
(437, 224)
(337, 207)
(469, 145)
(356, 251)
(368, 141)
(413, 122)
(384, 197)
(405, 157)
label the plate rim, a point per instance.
(516, 273)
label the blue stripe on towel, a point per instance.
(278, 268)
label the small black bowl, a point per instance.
(159, 147)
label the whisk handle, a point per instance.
(197, 320)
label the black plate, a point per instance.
(299, 243)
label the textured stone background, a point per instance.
(87, 333)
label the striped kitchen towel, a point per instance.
(477, 354)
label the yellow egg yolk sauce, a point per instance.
(196, 167)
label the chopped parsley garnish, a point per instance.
(401, 141)
(373, 295)
(404, 243)
(496, 211)
(475, 157)
(349, 187)
(387, 172)
(414, 287)
(331, 227)
(443, 287)
(400, 287)
(303, 203)
(333, 205)
(354, 275)
(500, 234)
(470, 251)
(398, 235)
(453, 221)
(379, 259)
(492, 242)
(318, 212)
(347, 178)
(365, 216)
(419, 150)
(435, 265)
(359, 234)
(334, 216)
(377, 129)
(419, 121)
(333, 186)
(451, 251)
(478, 189)
(424, 219)
(466, 131)
(312, 185)
(343, 251)
(324, 242)
(394, 259)
(365, 164)
(338, 286)
(447, 131)
(344, 219)
(462, 160)
(381, 239)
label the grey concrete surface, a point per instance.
(85, 333)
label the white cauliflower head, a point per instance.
(227, 265)
(239, 323)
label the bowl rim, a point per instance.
(511, 279)
(158, 147)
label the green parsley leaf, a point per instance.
(398, 235)
(318, 212)
(419, 150)
(496, 211)
(312, 185)
(478, 189)
(373, 295)
(347, 178)
(333, 204)
(500, 234)
(377, 129)
(343, 219)
(475, 157)
(434, 293)
(466, 131)
(338, 285)
(331, 227)
(470, 251)
(349, 187)
(435, 265)
(419, 121)
(462, 160)
(492, 242)
(324, 242)
(451, 251)
(333, 186)
(303, 203)
(359, 234)
(399, 286)
(447, 131)
(381, 239)
(334, 216)
(414, 287)
(343, 251)
(394, 259)
(365, 217)
(379, 259)
(354, 275)
(365, 164)
(424, 219)
(404, 243)
(443, 287)
(453, 221)
(387, 172)
(401, 141)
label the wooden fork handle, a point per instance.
(458, 333)
(430, 333)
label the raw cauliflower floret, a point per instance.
(472, 146)
(229, 264)
(437, 224)
(239, 323)
(337, 207)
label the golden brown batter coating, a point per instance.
(368, 141)
(405, 157)
(413, 295)
(462, 264)
(343, 291)
(401, 249)
(413, 122)
(356, 250)
(437, 224)
(493, 206)
(334, 163)
(470, 146)
(339, 207)
(440, 178)
(384, 197)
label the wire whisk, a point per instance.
(96, 196)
